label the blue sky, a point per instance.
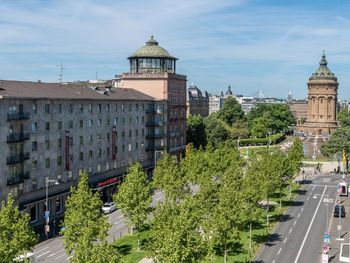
(252, 45)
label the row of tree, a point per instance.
(230, 122)
(210, 197)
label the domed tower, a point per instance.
(153, 72)
(322, 100)
(152, 59)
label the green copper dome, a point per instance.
(323, 72)
(152, 50)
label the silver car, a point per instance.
(108, 208)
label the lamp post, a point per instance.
(47, 211)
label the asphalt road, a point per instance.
(52, 251)
(299, 235)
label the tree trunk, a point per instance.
(225, 253)
(131, 230)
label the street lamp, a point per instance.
(47, 212)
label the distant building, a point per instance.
(214, 103)
(299, 109)
(197, 103)
(322, 102)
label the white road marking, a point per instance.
(279, 251)
(308, 198)
(273, 261)
(56, 252)
(290, 230)
(313, 188)
(43, 254)
(302, 209)
(41, 249)
(315, 197)
(60, 256)
(298, 215)
(294, 222)
(285, 240)
(308, 230)
(119, 222)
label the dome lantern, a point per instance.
(152, 58)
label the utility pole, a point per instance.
(60, 75)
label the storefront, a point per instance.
(108, 188)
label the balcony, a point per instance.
(155, 148)
(17, 137)
(18, 178)
(15, 116)
(154, 123)
(18, 158)
(155, 135)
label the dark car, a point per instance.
(342, 211)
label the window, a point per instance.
(123, 107)
(115, 121)
(47, 126)
(90, 107)
(108, 151)
(130, 133)
(59, 125)
(47, 163)
(123, 148)
(81, 156)
(143, 107)
(70, 124)
(99, 122)
(13, 109)
(58, 204)
(81, 140)
(34, 184)
(129, 147)
(108, 121)
(34, 127)
(136, 146)
(108, 136)
(137, 133)
(34, 146)
(99, 107)
(137, 120)
(123, 120)
(107, 107)
(59, 160)
(59, 143)
(130, 107)
(90, 139)
(99, 137)
(81, 123)
(90, 123)
(81, 108)
(34, 165)
(143, 119)
(90, 155)
(136, 107)
(123, 134)
(47, 145)
(70, 108)
(33, 213)
(130, 120)
(59, 108)
(99, 152)
(47, 108)
(34, 108)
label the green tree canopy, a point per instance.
(215, 130)
(231, 112)
(86, 227)
(16, 236)
(278, 116)
(134, 197)
(296, 155)
(195, 132)
(339, 140)
(343, 117)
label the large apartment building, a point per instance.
(56, 131)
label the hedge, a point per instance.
(275, 138)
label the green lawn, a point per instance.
(127, 245)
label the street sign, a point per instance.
(327, 238)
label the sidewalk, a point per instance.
(345, 223)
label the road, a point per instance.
(52, 251)
(299, 235)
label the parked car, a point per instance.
(342, 211)
(108, 207)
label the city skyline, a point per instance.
(250, 45)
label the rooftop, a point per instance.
(323, 72)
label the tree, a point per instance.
(175, 233)
(86, 227)
(215, 130)
(195, 132)
(261, 126)
(134, 198)
(231, 112)
(343, 117)
(280, 116)
(168, 178)
(296, 155)
(339, 140)
(16, 236)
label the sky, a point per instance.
(268, 45)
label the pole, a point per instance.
(46, 203)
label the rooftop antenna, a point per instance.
(60, 75)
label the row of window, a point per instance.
(90, 107)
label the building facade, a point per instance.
(197, 103)
(322, 102)
(59, 130)
(299, 109)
